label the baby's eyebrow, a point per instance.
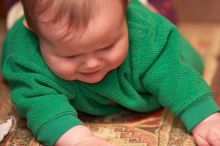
(111, 41)
(105, 45)
(65, 36)
(68, 34)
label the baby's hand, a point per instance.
(93, 141)
(81, 136)
(207, 133)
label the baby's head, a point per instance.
(79, 39)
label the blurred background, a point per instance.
(186, 10)
(197, 10)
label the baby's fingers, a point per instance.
(200, 141)
(214, 138)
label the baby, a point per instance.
(98, 57)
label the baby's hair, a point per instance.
(78, 12)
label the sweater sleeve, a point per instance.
(38, 97)
(176, 83)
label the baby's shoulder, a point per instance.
(20, 40)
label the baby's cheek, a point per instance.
(118, 57)
(64, 70)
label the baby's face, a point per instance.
(90, 55)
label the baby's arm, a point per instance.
(207, 133)
(80, 136)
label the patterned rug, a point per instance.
(128, 128)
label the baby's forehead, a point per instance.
(61, 30)
(67, 14)
(64, 24)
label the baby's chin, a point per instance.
(92, 80)
(86, 79)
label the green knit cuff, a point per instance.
(198, 112)
(50, 132)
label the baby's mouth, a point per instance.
(90, 73)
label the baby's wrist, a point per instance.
(74, 135)
(203, 124)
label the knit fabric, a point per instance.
(161, 69)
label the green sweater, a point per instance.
(161, 69)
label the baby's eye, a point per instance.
(69, 57)
(107, 48)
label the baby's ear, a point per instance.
(25, 24)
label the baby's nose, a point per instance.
(92, 63)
